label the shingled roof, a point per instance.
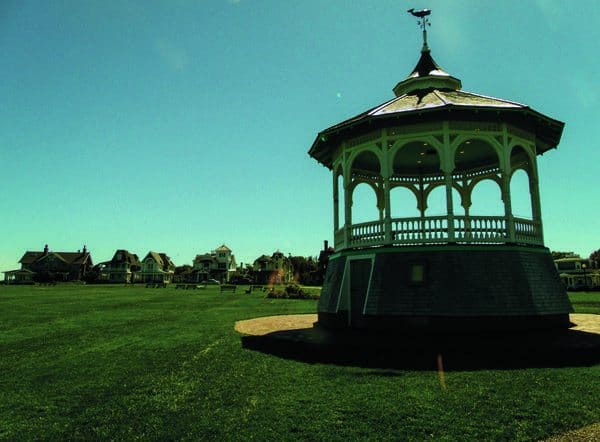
(427, 92)
(68, 257)
(126, 256)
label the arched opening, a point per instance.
(364, 204)
(520, 195)
(366, 174)
(519, 159)
(457, 207)
(436, 202)
(486, 199)
(403, 203)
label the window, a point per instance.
(416, 274)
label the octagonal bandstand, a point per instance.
(451, 271)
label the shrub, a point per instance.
(291, 291)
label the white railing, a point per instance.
(481, 229)
(432, 229)
(528, 231)
(367, 234)
(435, 230)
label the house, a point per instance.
(323, 261)
(124, 267)
(218, 264)
(50, 266)
(22, 276)
(157, 267)
(576, 273)
(274, 269)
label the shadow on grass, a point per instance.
(565, 348)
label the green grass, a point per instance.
(85, 362)
(585, 302)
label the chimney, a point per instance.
(46, 249)
(325, 245)
(84, 249)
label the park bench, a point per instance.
(228, 288)
(155, 285)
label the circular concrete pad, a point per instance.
(270, 324)
(585, 322)
(298, 337)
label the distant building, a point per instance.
(576, 273)
(218, 264)
(157, 267)
(274, 269)
(50, 266)
(22, 276)
(124, 267)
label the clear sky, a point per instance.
(177, 126)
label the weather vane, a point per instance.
(423, 23)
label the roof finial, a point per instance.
(423, 23)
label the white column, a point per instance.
(347, 207)
(508, 215)
(536, 206)
(421, 204)
(449, 205)
(336, 202)
(465, 200)
(386, 174)
(448, 168)
(506, 171)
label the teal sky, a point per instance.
(177, 126)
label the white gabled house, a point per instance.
(157, 267)
(219, 264)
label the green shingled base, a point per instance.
(482, 287)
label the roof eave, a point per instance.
(317, 149)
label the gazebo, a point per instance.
(448, 271)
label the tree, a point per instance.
(595, 259)
(304, 269)
(183, 269)
(182, 273)
(559, 255)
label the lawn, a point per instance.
(114, 362)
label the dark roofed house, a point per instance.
(274, 269)
(51, 266)
(124, 267)
(157, 267)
